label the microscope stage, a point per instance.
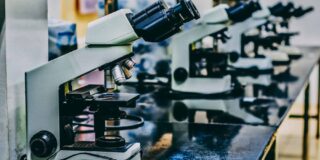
(96, 94)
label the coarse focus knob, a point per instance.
(43, 144)
(180, 75)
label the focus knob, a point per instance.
(43, 144)
(180, 75)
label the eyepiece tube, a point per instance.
(242, 11)
(158, 22)
(299, 12)
(187, 10)
(154, 8)
(280, 10)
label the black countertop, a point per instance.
(191, 141)
(182, 141)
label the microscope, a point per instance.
(273, 37)
(261, 65)
(283, 13)
(198, 69)
(56, 110)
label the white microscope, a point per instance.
(270, 35)
(55, 109)
(188, 55)
(235, 43)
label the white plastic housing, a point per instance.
(236, 31)
(217, 14)
(179, 48)
(133, 153)
(112, 29)
(261, 63)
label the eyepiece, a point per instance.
(187, 10)
(299, 12)
(242, 11)
(158, 22)
(280, 10)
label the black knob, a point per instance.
(180, 111)
(43, 144)
(162, 68)
(180, 75)
(234, 56)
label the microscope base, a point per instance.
(132, 152)
(264, 80)
(278, 58)
(293, 52)
(203, 85)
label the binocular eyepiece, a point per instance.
(289, 10)
(158, 22)
(299, 12)
(281, 10)
(242, 11)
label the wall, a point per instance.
(26, 44)
(4, 149)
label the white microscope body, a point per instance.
(216, 20)
(109, 42)
(235, 42)
(213, 21)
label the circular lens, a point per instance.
(43, 144)
(189, 10)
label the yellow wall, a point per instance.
(69, 12)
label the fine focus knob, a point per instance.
(180, 75)
(234, 57)
(43, 144)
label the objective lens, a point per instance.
(127, 72)
(118, 75)
(129, 64)
(109, 81)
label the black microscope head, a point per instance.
(242, 11)
(281, 10)
(159, 22)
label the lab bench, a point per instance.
(235, 127)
